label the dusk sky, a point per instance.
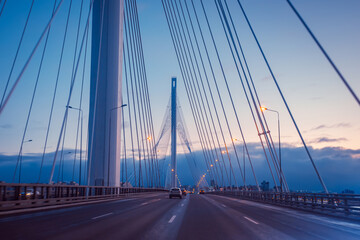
(325, 111)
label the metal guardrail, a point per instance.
(335, 203)
(16, 196)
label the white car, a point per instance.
(175, 192)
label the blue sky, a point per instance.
(325, 111)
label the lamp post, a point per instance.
(224, 152)
(30, 140)
(81, 134)
(278, 116)
(149, 180)
(243, 148)
(61, 168)
(114, 108)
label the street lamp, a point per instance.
(27, 141)
(61, 167)
(81, 134)
(114, 108)
(235, 139)
(278, 115)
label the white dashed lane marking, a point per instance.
(249, 219)
(145, 203)
(172, 219)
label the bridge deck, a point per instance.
(154, 216)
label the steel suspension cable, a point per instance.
(81, 91)
(129, 110)
(17, 53)
(219, 95)
(283, 98)
(177, 51)
(194, 97)
(125, 160)
(247, 97)
(347, 85)
(211, 94)
(193, 92)
(3, 105)
(80, 107)
(140, 96)
(61, 163)
(266, 129)
(146, 93)
(189, 67)
(132, 72)
(70, 94)
(141, 100)
(184, 135)
(212, 71)
(2, 8)
(206, 100)
(32, 102)
(196, 89)
(62, 155)
(54, 96)
(128, 37)
(228, 89)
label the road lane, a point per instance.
(168, 227)
(155, 216)
(50, 223)
(135, 223)
(293, 223)
(206, 220)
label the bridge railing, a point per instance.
(15, 196)
(342, 203)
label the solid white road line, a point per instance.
(249, 219)
(104, 215)
(172, 219)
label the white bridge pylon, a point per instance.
(105, 93)
(174, 128)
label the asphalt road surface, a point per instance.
(155, 216)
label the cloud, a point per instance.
(315, 98)
(327, 140)
(337, 166)
(6, 126)
(269, 77)
(338, 125)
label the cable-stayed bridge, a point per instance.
(85, 157)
